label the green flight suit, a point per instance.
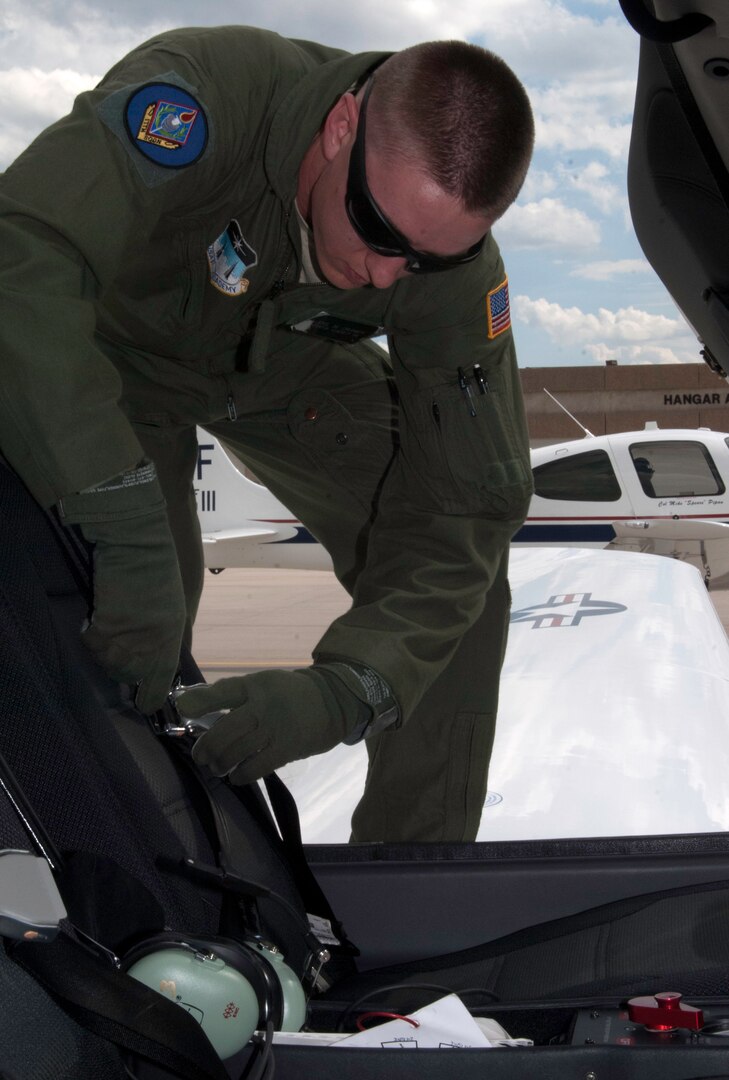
(149, 268)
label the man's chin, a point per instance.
(353, 279)
(342, 277)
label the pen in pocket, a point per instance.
(465, 387)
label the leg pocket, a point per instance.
(467, 773)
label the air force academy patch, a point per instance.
(167, 125)
(230, 256)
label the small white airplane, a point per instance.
(660, 491)
(242, 523)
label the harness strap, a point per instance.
(120, 1009)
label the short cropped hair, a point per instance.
(458, 112)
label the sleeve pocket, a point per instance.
(468, 463)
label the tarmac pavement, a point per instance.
(252, 619)
(720, 598)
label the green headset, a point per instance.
(232, 989)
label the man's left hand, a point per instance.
(278, 716)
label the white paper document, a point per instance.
(445, 1024)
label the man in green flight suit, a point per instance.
(212, 237)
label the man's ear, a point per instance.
(340, 126)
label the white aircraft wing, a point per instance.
(224, 538)
(235, 547)
(614, 714)
(699, 541)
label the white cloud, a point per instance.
(572, 326)
(32, 99)
(641, 354)
(543, 39)
(628, 335)
(586, 113)
(547, 223)
(591, 180)
(80, 36)
(606, 270)
(539, 182)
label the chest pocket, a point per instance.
(468, 449)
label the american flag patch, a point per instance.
(497, 309)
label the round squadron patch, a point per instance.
(166, 124)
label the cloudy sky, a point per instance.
(582, 292)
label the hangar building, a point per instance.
(622, 398)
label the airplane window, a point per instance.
(675, 469)
(587, 477)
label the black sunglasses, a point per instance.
(372, 226)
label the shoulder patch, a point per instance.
(166, 124)
(497, 309)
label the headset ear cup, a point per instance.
(216, 995)
(282, 997)
(192, 969)
(252, 964)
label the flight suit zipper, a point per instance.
(264, 319)
(280, 283)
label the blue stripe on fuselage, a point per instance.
(564, 534)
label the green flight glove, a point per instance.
(281, 716)
(136, 627)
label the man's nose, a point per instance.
(384, 271)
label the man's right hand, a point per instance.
(138, 616)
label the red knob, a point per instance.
(664, 1012)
